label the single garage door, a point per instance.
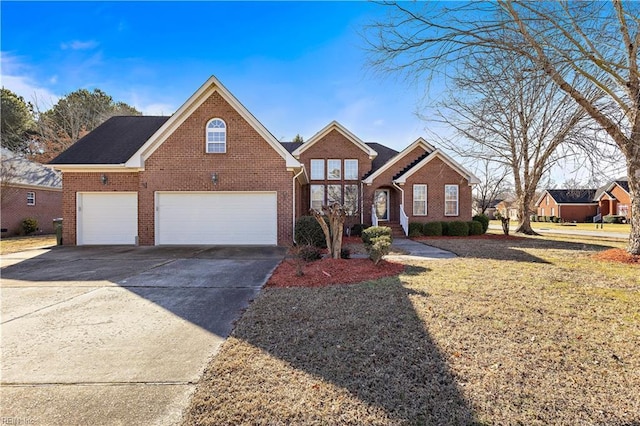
(107, 218)
(221, 218)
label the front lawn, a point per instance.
(514, 331)
(617, 228)
(16, 244)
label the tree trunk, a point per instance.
(333, 231)
(633, 176)
(523, 213)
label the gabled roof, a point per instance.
(113, 142)
(334, 125)
(19, 171)
(569, 196)
(376, 171)
(473, 180)
(384, 155)
(212, 85)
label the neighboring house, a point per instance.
(491, 209)
(213, 174)
(29, 190)
(570, 205)
(507, 208)
(614, 199)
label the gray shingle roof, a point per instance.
(113, 142)
(20, 171)
(572, 196)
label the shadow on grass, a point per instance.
(364, 338)
(513, 248)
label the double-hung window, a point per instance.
(451, 200)
(334, 169)
(334, 194)
(317, 197)
(350, 169)
(317, 169)
(216, 136)
(351, 199)
(419, 200)
(31, 198)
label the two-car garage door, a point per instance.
(181, 218)
(229, 218)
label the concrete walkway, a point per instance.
(570, 231)
(417, 251)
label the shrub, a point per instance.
(378, 247)
(432, 229)
(309, 232)
(610, 218)
(375, 231)
(308, 253)
(475, 227)
(445, 228)
(552, 219)
(534, 218)
(484, 221)
(458, 229)
(557, 219)
(415, 229)
(29, 225)
(356, 230)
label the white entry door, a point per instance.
(219, 218)
(107, 218)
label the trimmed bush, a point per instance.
(356, 230)
(484, 221)
(610, 218)
(309, 232)
(375, 231)
(432, 229)
(458, 229)
(475, 227)
(445, 228)
(29, 226)
(309, 253)
(378, 247)
(415, 229)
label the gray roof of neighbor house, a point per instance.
(572, 196)
(113, 142)
(623, 182)
(18, 170)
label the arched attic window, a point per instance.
(216, 136)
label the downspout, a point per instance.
(393, 182)
(293, 205)
(361, 202)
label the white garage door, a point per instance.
(107, 218)
(226, 218)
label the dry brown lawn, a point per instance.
(526, 331)
(16, 244)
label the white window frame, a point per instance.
(312, 200)
(334, 164)
(350, 169)
(334, 189)
(546, 200)
(422, 202)
(553, 211)
(351, 209)
(622, 209)
(449, 200)
(31, 198)
(317, 169)
(218, 142)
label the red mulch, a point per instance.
(332, 271)
(471, 237)
(618, 255)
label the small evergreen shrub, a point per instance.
(432, 229)
(534, 218)
(610, 218)
(379, 246)
(309, 232)
(557, 219)
(356, 230)
(309, 253)
(29, 226)
(484, 220)
(375, 231)
(445, 228)
(475, 227)
(458, 228)
(415, 229)
(552, 219)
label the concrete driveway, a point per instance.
(117, 335)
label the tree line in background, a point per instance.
(42, 135)
(533, 83)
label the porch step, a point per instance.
(396, 229)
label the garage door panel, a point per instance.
(107, 218)
(220, 218)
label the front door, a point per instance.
(381, 202)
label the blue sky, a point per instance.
(295, 65)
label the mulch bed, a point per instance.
(332, 271)
(618, 255)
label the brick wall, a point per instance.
(48, 206)
(544, 209)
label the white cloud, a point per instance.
(79, 45)
(15, 78)
(156, 109)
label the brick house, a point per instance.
(213, 174)
(568, 204)
(614, 199)
(29, 190)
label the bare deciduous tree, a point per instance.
(332, 231)
(583, 47)
(493, 184)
